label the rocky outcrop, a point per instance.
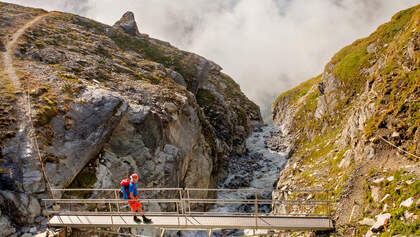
(80, 134)
(128, 24)
(166, 154)
(109, 101)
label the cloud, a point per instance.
(267, 46)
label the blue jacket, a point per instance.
(132, 188)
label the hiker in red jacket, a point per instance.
(131, 194)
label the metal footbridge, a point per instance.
(295, 210)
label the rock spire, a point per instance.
(128, 24)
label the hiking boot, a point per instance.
(136, 219)
(146, 220)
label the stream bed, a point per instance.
(258, 169)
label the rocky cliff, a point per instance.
(101, 102)
(356, 131)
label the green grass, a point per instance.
(242, 117)
(204, 97)
(349, 62)
(304, 117)
(67, 77)
(7, 108)
(299, 91)
(45, 114)
(155, 53)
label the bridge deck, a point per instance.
(196, 222)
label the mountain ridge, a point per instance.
(344, 120)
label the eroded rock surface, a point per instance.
(109, 101)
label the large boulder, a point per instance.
(82, 132)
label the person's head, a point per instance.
(134, 178)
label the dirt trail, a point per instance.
(26, 152)
(353, 200)
(7, 57)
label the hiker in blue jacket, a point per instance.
(131, 194)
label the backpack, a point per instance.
(124, 185)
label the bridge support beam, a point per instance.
(208, 233)
(67, 231)
(161, 232)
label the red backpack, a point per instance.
(124, 184)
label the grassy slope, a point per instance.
(398, 93)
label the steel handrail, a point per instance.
(229, 214)
(113, 189)
(256, 190)
(194, 189)
(100, 213)
(194, 201)
(83, 201)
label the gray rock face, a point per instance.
(49, 55)
(6, 228)
(371, 48)
(92, 119)
(178, 78)
(144, 143)
(128, 24)
(20, 207)
(33, 181)
(330, 95)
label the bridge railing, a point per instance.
(188, 201)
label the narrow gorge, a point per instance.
(84, 105)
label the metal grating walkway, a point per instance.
(196, 222)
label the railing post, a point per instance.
(45, 207)
(177, 212)
(110, 210)
(328, 205)
(188, 200)
(116, 197)
(182, 206)
(256, 210)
